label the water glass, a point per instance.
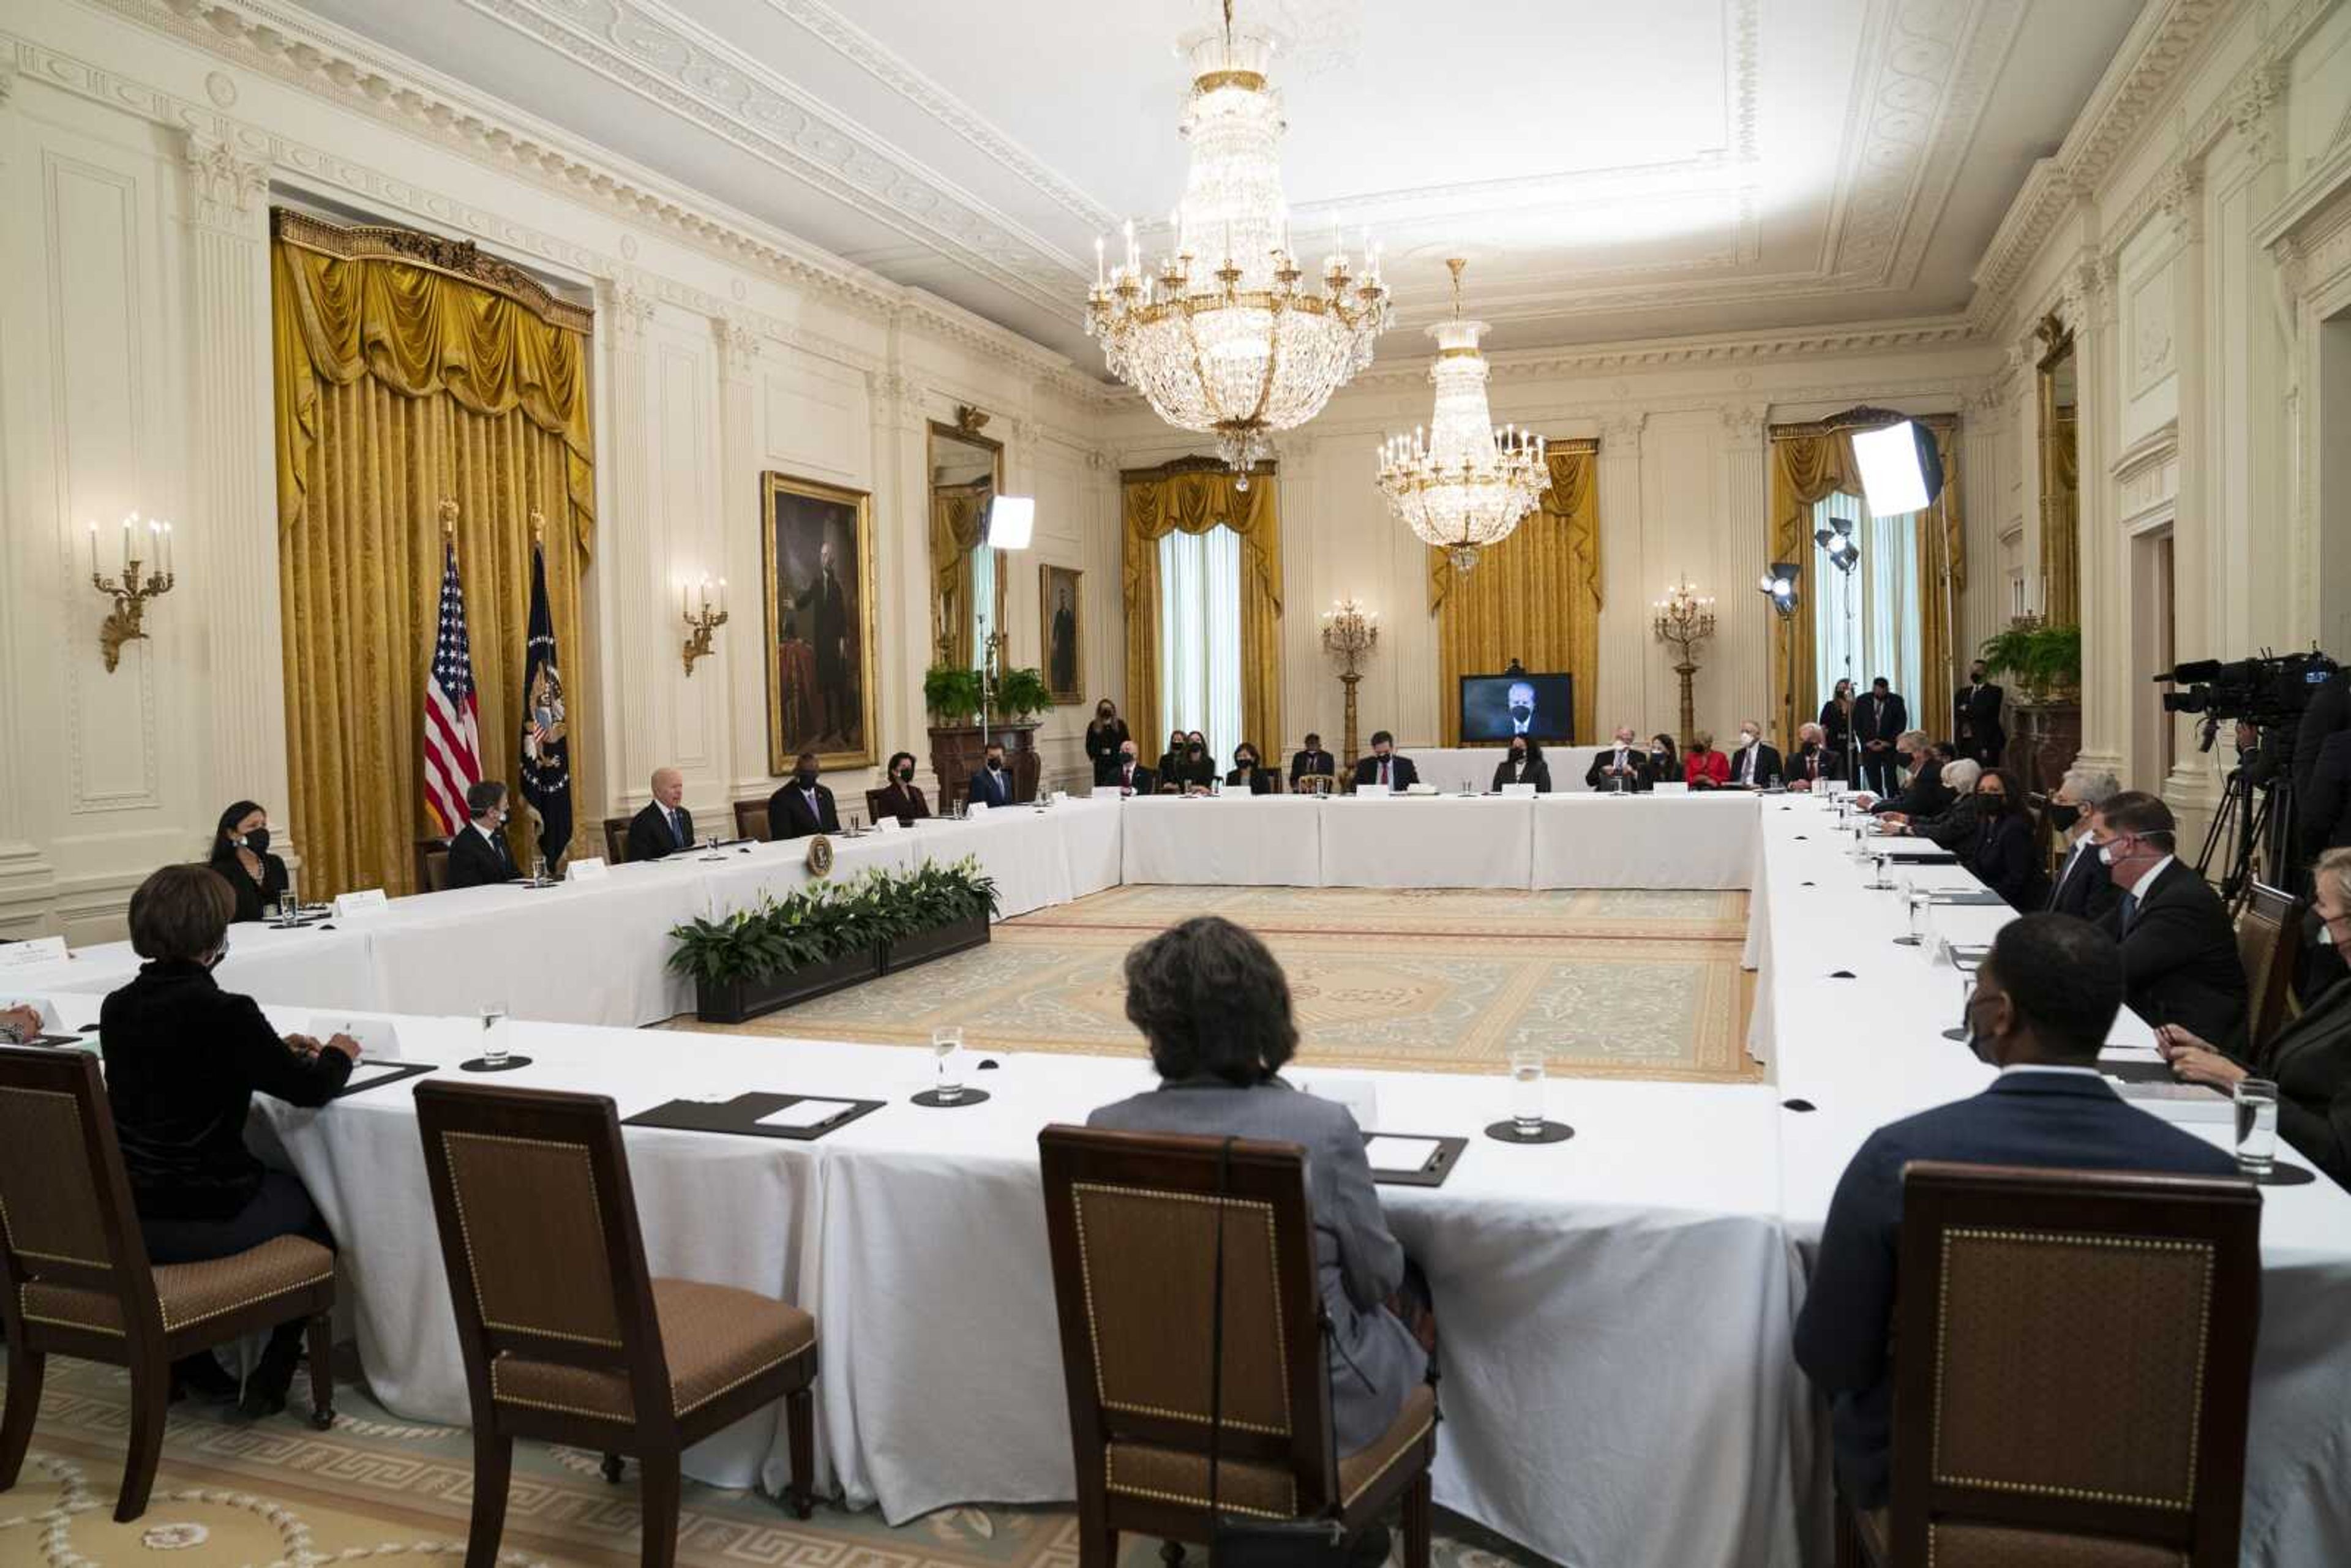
(289, 908)
(2257, 1120)
(1527, 1093)
(538, 868)
(494, 1033)
(947, 1063)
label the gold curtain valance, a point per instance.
(393, 305)
(1535, 597)
(1191, 495)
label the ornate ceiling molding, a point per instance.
(1680, 354)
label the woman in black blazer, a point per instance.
(1837, 723)
(1105, 735)
(184, 1060)
(241, 853)
(1524, 765)
(900, 797)
(1249, 771)
(2001, 855)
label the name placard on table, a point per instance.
(33, 950)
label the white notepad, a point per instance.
(1393, 1154)
(805, 1113)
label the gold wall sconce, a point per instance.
(700, 622)
(136, 586)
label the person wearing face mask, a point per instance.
(900, 797)
(1310, 761)
(2002, 854)
(478, 856)
(1130, 777)
(1250, 773)
(1621, 768)
(1105, 735)
(2082, 886)
(665, 826)
(2310, 1059)
(1756, 764)
(803, 807)
(1171, 761)
(1704, 767)
(1924, 793)
(1524, 764)
(1955, 829)
(1976, 726)
(1813, 763)
(184, 1060)
(1881, 724)
(1199, 769)
(992, 785)
(1384, 766)
(2179, 950)
(2045, 998)
(240, 853)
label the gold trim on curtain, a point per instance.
(1943, 540)
(1535, 597)
(399, 386)
(1193, 495)
(955, 520)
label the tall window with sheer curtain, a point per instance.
(1200, 638)
(1866, 623)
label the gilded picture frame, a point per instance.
(817, 551)
(1061, 630)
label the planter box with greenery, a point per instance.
(830, 936)
(2045, 661)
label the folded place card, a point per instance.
(361, 902)
(1358, 1094)
(1670, 789)
(1516, 790)
(586, 871)
(1368, 791)
(977, 808)
(31, 951)
(376, 1037)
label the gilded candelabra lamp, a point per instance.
(1350, 633)
(1685, 620)
(144, 578)
(701, 621)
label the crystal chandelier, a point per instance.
(1465, 485)
(1236, 348)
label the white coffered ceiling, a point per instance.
(1614, 168)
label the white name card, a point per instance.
(35, 950)
(365, 901)
(51, 1022)
(1359, 1095)
(378, 1037)
(976, 808)
(1669, 789)
(1517, 790)
(586, 871)
(1370, 791)
(885, 825)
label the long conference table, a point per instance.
(1616, 1309)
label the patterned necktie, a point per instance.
(2129, 912)
(1384, 770)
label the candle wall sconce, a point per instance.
(700, 622)
(143, 577)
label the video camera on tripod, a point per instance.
(2270, 691)
(2256, 815)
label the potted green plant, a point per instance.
(951, 695)
(2045, 661)
(1020, 694)
(946, 908)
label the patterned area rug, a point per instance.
(279, 1494)
(1613, 985)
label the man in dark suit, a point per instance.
(1384, 767)
(478, 856)
(1975, 718)
(2082, 888)
(802, 807)
(1878, 721)
(2179, 951)
(828, 607)
(1312, 759)
(1130, 777)
(992, 785)
(1756, 764)
(665, 826)
(1622, 768)
(1926, 794)
(2045, 998)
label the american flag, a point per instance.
(452, 731)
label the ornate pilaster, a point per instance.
(2107, 692)
(1741, 687)
(901, 512)
(230, 536)
(631, 586)
(739, 759)
(2258, 112)
(1622, 694)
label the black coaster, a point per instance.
(929, 1098)
(1553, 1133)
(1908, 941)
(2283, 1173)
(484, 1064)
(1960, 1035)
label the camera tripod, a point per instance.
(2257, 823)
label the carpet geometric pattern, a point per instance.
(376, 1489)
(1611, 985)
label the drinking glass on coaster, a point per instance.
(289, 908)
(1527, 1123)
(2257, 1120)
(496, 1046)
(538, 871)
(1913, 900)
(947, 1091)
(1967, 995)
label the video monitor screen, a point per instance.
(1496, 707)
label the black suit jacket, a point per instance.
(1927, 796)
(1259, 781)
(2083, 888)
(1303, 763)
(1401, 774)
(476, 862)
(2059, 1120)
(990, 788)
(254, 900)
(1975, 713)
(904, 801)
(2310, 1061)
(2325, 804)
(1767, 765)
(649, 836)
(788, 816)
(1814, 764)
(2000, 856)
(1537, 773)
(1636, 757)
(1146, 782)
(1874, 720)
(2179, 958)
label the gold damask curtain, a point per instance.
(1809, 463)
(1535, 597)
(958, 517)
(408, 372)
(1193, 495)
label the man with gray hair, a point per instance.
(665, 826)
(2081, 887)
(1924, 793)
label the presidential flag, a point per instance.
(545, 744)
(453, 728)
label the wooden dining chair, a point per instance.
(432, 865)
(1129, 1217)
(616, 840)
(2268, 927)
(2076, 1366)
(1316, 784)
(75, 1279)
(751, 820)
(565, 1336)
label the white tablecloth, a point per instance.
(1428, 841)
(1235, 841)
(1702, 840)
(316, 965)
(1472, 767)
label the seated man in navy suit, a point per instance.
(992, 785)
(2043, 1000)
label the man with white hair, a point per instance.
(1924, 793)
(1811, 762)
(2081, 887)
(665, 826)
(1956, 823)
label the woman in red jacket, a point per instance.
(1704, 767)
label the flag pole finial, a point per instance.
(449, 519)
